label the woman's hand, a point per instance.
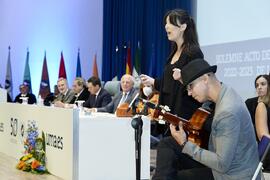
(147, 80)
(177, 74)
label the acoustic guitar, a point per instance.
(193, 127)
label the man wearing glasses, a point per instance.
(232, 148)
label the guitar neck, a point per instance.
(173, 119)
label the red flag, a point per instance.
(128, 62)
(62, 69)
(44, 88)
(95, 68)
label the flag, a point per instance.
(62, 69)
(128, 61)
(8, 81)
(44, 88)
(27, 75)
(137, 63)
(78, 70)
(152, 65)
(95, 68)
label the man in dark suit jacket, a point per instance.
(81, 93)
(126, 96)
(24, 92)
(99, 97)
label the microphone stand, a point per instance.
(137, 124)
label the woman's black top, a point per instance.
(172, 92)
(251, 104)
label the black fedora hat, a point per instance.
(195, 69)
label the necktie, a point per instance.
(63, 97)
(123, 99)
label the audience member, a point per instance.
(262, 85)
(65, 95)
(98, 97)
(262, 115)
(125, 96)
(24, 92)
(232, 149)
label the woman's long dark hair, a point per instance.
(190, 36)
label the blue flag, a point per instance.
(78, 71)
(8, 82)
(27, 75)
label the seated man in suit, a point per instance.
(126, 96)
(99, 97)
(81, 93)
(65, 95)
(24, 92)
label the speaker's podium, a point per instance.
(95, 147)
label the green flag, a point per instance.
(137, 63)
(27, 75)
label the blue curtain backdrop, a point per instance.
(127, 22)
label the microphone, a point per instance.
(133, 101)
(136, 122)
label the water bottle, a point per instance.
(39, 101)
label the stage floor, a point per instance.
(8, 171)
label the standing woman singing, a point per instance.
(181, 31)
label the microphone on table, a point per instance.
(133, 101)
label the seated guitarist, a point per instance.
(232, 149)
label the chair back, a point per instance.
(263, 147)
(113, 87)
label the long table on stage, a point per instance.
(99, 146)
(107, 144)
